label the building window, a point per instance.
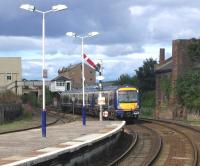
(60, 83)
(90, 79)
(9, 76)
(68, 86)
(90, 72)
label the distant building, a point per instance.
(60, 84)
(74, 73)
(10, 71)
(170, 69)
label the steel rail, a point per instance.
(157, 147)
(164, 123)
(117, 160)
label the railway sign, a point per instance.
(44, 73)
(101, 100)
(73, 99)
(100, 78)
(105, 114)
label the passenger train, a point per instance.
(120, 102)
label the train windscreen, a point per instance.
(128, 96)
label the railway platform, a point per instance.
(30, 148)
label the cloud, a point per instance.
(130, 32)
(140, 10)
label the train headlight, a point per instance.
(105, 114)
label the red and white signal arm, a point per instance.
(101, 101)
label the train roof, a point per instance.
(93, 89)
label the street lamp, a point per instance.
(32, 8)
(90, 34)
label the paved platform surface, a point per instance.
(28, 145)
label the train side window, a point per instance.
(106, 98)
(80, 99)
(66, 98)
(89, 98)
(96, 98)
(68, 101)
(86, 98)
(72, 97)
(76, 98)
(111, 97)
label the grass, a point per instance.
(26, 120)
(146, 112)
(193, 121)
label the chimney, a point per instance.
(162, 56)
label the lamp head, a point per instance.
(71, 34)
(28, 7)
(59, 7)
(93, 33)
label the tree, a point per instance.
(146, 76)
(30, 98)
(125, 79)
(48, 96)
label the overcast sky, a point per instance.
(130, 31)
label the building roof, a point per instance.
(164, 68)
(60, 78)
(70, 67)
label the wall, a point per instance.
(10, 70)
(180, 62)
(74, 73)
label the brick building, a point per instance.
(74, 73)
(170, 69)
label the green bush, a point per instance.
(165, 84)
(148, 99)
(9, 97)
(147, 112)
(147, 103)
(30, 98)
(193, 50)
(48, 98)
(188, 89)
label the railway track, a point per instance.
(181, 143)
(162, 144)
(145, 149)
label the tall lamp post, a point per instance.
(32, 8)
(90, 34)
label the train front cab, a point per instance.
(127, 103)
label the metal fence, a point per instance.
(9, 112)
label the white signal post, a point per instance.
(32, 8)
(101, 99)
(90, 34)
